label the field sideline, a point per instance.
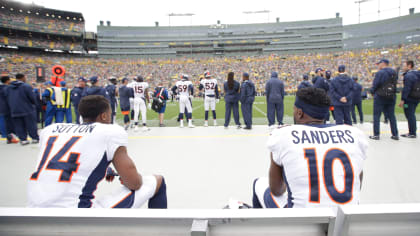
(259, 112)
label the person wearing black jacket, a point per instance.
(76, 96)
(357, 101)
(232, 95)
(21, 101)
(247, 98)
(5, 112)
(341, 90)
(384, 100)
(411, 77)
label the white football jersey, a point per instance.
(140, 89)
(321, 163)
(72, 161)
(183, 87)
(209, 86)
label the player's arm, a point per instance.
(146, 94)
(277, 183)
(201, 87)
(126, 169)
(216, 90)
(361, 179)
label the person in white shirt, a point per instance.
(184, 90)
(141, 98)
(211, 95)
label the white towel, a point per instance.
(58, 96)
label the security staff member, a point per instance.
(65, 109)
(48, 97)
(95, 89)
(76, 96)
(247, 97)
(384, 101)
(357, 101)
(410, 100)
(125, 93)
(232, 95)
(305, 83)
(274, 91)
(341, 91)
(21, 101)
(113, 93)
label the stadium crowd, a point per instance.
(50, 42)
(360, 63)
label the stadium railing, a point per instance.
(389, 219)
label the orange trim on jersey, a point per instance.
(42, 167)
(345, 175)
(116, 204)
(125, 112)
(71, 175)
(309, 175)
(272, 197)
(68, 156)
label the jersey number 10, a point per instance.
(340, 197)
(67, 167)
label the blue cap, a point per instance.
(305, 77)
(48, 83)
(382, 60)
(93, 79)
(318, 69)
(328, 72)
(81, 79)
(245, 74)
(63, 83)
(355, 78)
(124, 79)
(274, 74)
(341, 68)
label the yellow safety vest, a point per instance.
(51, 96)
(66, 98)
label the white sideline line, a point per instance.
(258, 109)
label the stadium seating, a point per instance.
(389, 219)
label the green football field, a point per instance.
(259, 112)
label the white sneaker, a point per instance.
(136, 128)
(215, 122)
(271, 127)
(206, 123)
(190, 125)
(126, 127)
(145, 128)
(239, 127)
(181, 124)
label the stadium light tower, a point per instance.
(180, 14)
(360, 2)
(259, 12)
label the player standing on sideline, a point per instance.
(141, 98)
(113, 94)
(185, 89)
(211, 94)
(125, 93)
(82, 154)
(312, 164)
(76, 95)
(130, 85)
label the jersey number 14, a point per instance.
(67, 167)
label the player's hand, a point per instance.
(401, 104)
(191, 97)
(110, 174)
(343, 100)
(217, 100)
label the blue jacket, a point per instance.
(320, 82)
(20, 98)
(125, 94)
(47, 96)
(232, 95)
(341, 86)
(357, 93)
(410, 79)
(4, 107)
(247, 94)
(95, 90)
(381, 77)
(274, 90)
(38, 101)
(111, 92)
(76, 95)
(304, 84)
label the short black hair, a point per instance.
(4, 79)
(410, 63)
(20, 76)
(314, 96)
(90, 107)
